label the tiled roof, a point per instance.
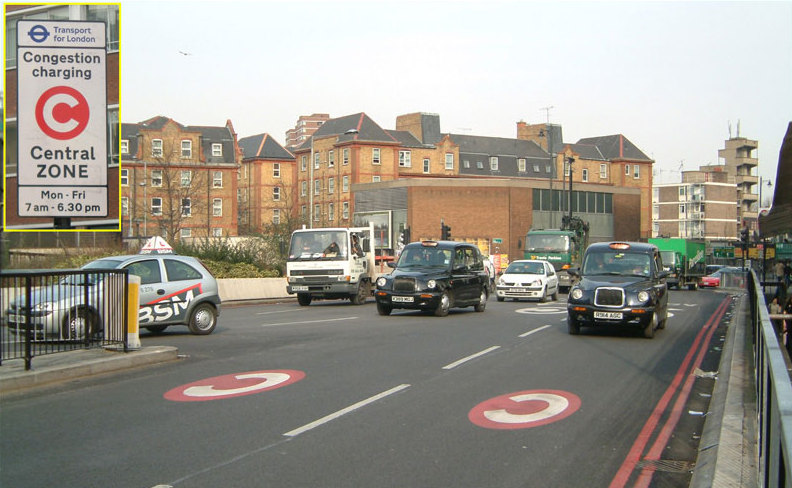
(263, 146)
(616, 147)
(359, 127)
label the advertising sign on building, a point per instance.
(62, 119)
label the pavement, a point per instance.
(727, 450)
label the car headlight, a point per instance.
(501, 282)
(431, 284)
(536, 283)
(381, 281)
(643, 296)
(576, 293)
(47, 307)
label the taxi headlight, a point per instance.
(381, 281)
(643, 296)
(576, 293)
(431, 284)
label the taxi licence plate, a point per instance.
(608, 315)
(402, 299)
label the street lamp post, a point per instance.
(569, 161)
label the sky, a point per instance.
(676, 78)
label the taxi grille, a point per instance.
(609, 297)
(404, 284)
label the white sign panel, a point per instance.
(62, 119)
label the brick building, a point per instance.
(109, 14)
(306, 125)
(179, 181)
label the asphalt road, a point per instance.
(333, 395)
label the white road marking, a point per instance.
(526, 334)
(309, 321)
(270, 379)
(472, 356)
(344, 411)
(555, 405)
(281, 311)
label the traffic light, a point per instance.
(445, 232)
(744, 236)
(406, 236)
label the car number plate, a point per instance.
(519, 290)
(608, 315)
(402, 299)
(299, 288)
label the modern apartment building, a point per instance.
(179, 181)
(306, 125)
(109, 14)
(739, 160)
(702, 206)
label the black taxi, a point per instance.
(619, 283)
(434, 276)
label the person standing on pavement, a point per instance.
(775, 309)
(778, 269)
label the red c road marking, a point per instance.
(233, 385)
(524, 409)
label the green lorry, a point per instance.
(683, 259)
(563, 248)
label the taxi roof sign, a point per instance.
(156, 245)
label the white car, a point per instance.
(528, 278)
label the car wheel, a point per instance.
(555, 295)
(500, 299)
(77, 322)
(383, 309)
(203, 320)
(359, 298)
(662, 323)
(157, 329)
(544, 295)
(572, 326)
(304, 299)
(482, 303)
(693, 286)
(648, 331)
(443, 305)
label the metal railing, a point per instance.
(51, 311)
(773, 394)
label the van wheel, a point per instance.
(203, 320)
(304, 299)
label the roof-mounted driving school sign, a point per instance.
(62, 119)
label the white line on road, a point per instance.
(472, 356)
(526, 334)
(345, 411)
(309, 321)
(281, 311)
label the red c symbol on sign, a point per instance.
(62, 112)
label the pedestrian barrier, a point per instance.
(50, 311)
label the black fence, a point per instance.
(51, 311)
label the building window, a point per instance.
(331, 159)
(567, 168)
(316, 212)
(479, 164)
(276, 170)
(303, 188)
(217, 232)
(185, 232)
(331, 185)
(345, 210)
(303, 211)
(494, 163)
(217, 207)
(124, 177)
(156, 178)
(404, 159)
(316, 160)
(217, 179)
(217, 150)
(427, 168)
(345, 183)
(276, 216)
(156, 148)
(345, 156)
(376, 179)
(124, 205)
(627, 169)
(156, 206)
(681, 209)
(636, 171)
(584, 175)
(521, 166)
(548, 168)
(331, 211)
(276, 193)
(186, 149)
(375, 156)
(186, 177)
(603, 171)
(466, 164)
(317, 186)
(109, 15)
(186, 207)
(535, 168)
(303, 163)
(449, 161)
(124, 146)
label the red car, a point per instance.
(714, 279)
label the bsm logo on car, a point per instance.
(155, 311)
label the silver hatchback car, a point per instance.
(174, 290)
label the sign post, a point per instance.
(62, 120)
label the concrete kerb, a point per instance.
(56, 368)
(727, 449)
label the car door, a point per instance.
(151, 289)
(461, 275)
(552, 279)
(660, 285)
(183, 284)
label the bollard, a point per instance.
(133, 298)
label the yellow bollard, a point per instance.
(133, 298)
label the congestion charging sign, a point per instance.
(62, 119)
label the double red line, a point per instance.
(685, 372)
